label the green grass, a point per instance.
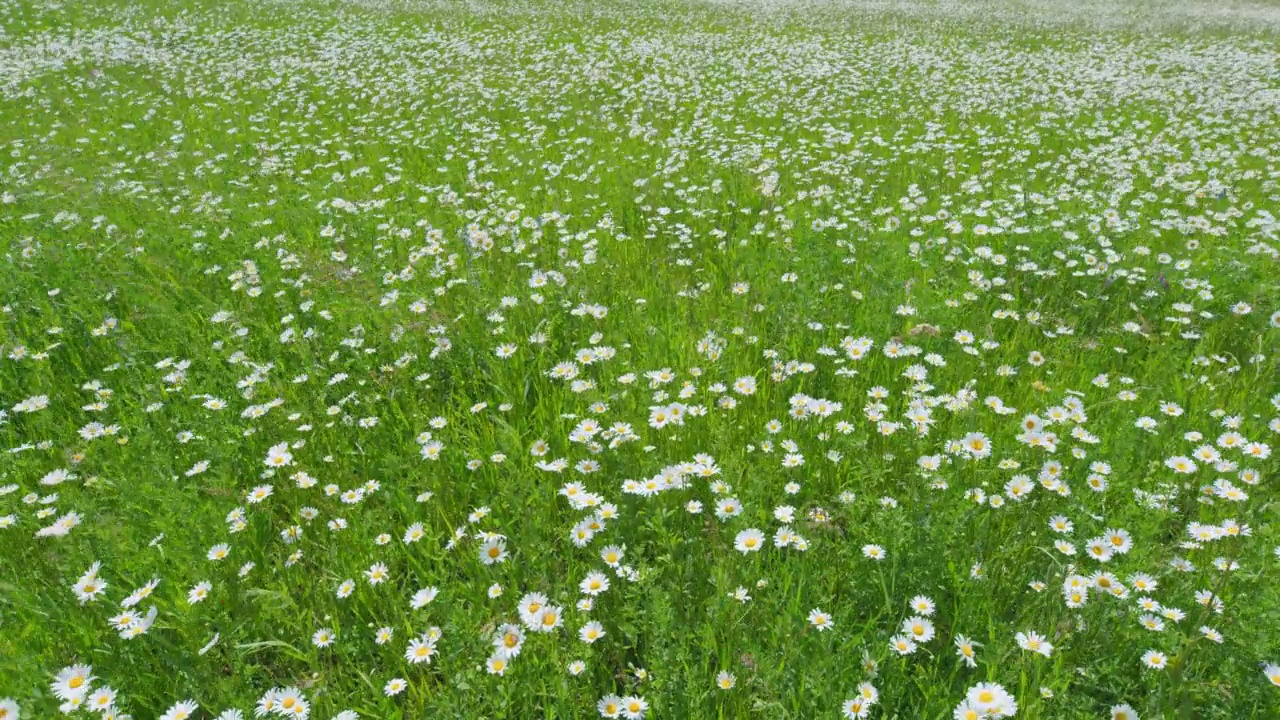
(257, 194)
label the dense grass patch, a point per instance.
(662, 359)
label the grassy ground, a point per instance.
(296, 294)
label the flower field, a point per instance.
(707, 359)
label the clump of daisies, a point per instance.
(986, 700)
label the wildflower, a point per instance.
(1155, 659)
(199, 592)
(493, 551)
(548, 619)
(917, 628)
(423, 597)
(376, 574)
(634, 707)
(609, 706)
(1123, 712)
(323, 638)
(101, 700)
(1035, 643)
(73, 683)
(594, 583)
(965, 649)
(181, 711)
(591, 632)
(902, 644)
(748, 541)
(819, 620)
(856, 709)
(990, 700)
(508, 640)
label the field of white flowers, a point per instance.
(655, 359)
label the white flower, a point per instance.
(181, 711)
(749, 541)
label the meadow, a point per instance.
(660, 359)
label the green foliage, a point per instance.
(392, 260)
